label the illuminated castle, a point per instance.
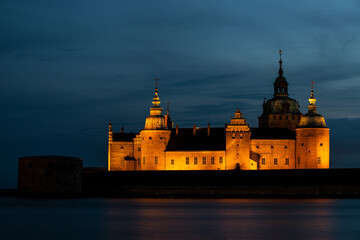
(285, 139)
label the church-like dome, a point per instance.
(312, 119)
(281, 105)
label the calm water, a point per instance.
(178, 219)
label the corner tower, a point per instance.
(154, 137)
(238, 143)
(280, 111)
(312, 139)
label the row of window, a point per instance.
(263, 161)
(270, 146)
(287, 117)
(302, 144)
(187, 160)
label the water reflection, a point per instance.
(140, 219)
(223, 219)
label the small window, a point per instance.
(122, 147)
(233, 135)
(285, 146)
(172, 161)
(150, 138)
(321, 144)
(263, 161)
(241, 135)
(143, 160)
(221, 160)
(204, 160)
(287, 117)
(161, 138)
(275, 161)
(274, 117)
(237, 144)
(212, 160)
(280, 117)
(156, 160)
(319, 160)
(272, 146)
(139, 149)
(286, 161)
(257, 146)
(139, 161)
(195, 160)
(302, 144)
(298, 160)
(187, 160)
(293, 118)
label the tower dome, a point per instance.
(281, 103)
(312, 119)
(156, 120)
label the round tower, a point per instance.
(312, 139)
(154, 137)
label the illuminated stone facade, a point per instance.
(285, 139)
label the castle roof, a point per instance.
(123, 137)
(272, 133)
(185, 140)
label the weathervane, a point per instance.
(280, 53)
(312, 85)
(156, 82)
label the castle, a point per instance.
(285, 139)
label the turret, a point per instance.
(238, 143)
(312, 139)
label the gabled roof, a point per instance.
(123, 137)
(185, 140)
(272, 133)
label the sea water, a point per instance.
(101, 218)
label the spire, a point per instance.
(156, 100)
(312, 100)
(122, 128)
(280, 84)
(110, 132)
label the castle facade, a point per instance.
(285, 139)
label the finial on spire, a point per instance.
(280, 63)
(156, 82)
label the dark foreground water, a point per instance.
(178, 219)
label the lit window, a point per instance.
(204, 160)
(286, 161)
(195, 160)
(172, 161)
(212, 160)
(319, 160)
(263, 161)
(275, 161)
(156, 160)
(143, 160)
(187, 160)
(221, 160)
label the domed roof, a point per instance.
(312, 119)
(281, 105)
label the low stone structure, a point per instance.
(50, 174)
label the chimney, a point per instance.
(177, 129)
(194, 129)
(208, 130)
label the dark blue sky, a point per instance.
(68, 67)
